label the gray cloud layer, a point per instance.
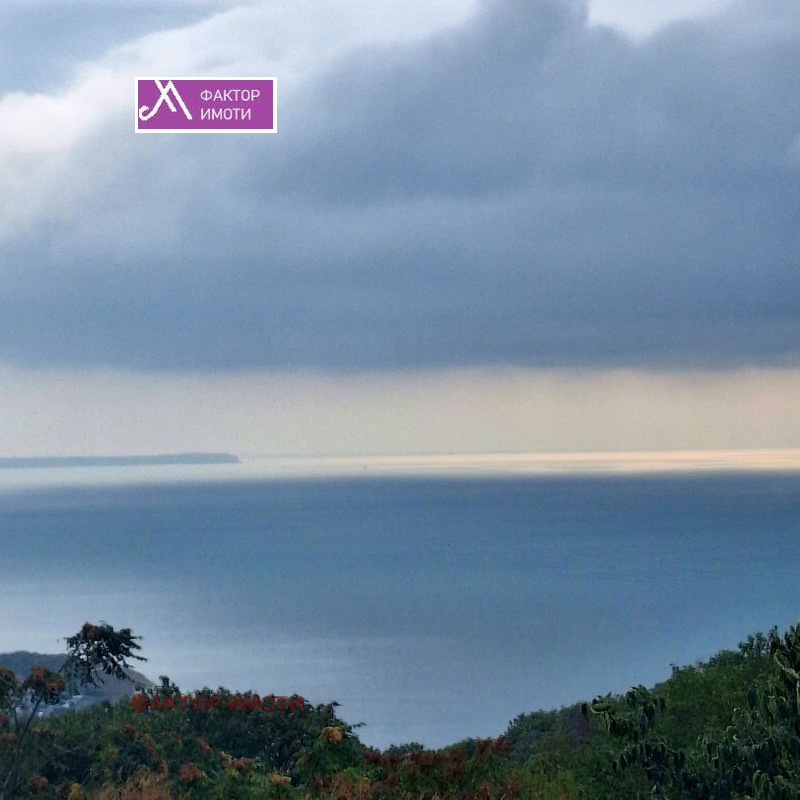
(42, 42)
(522, 189)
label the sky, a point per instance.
(482, 226)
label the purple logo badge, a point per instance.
(206, 105)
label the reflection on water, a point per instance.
(479, 465)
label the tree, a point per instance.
(757, 755)
(94, 651)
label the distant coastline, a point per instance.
(118, 461)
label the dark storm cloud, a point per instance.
(523, 189)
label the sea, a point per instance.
(431, 607)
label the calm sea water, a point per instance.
(432, 609)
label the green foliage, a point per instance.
(728, 729)
(405, 749)
(99, 648)
(755, 755)
(21, 663)
(94, 649)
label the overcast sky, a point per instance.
(482, 225)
